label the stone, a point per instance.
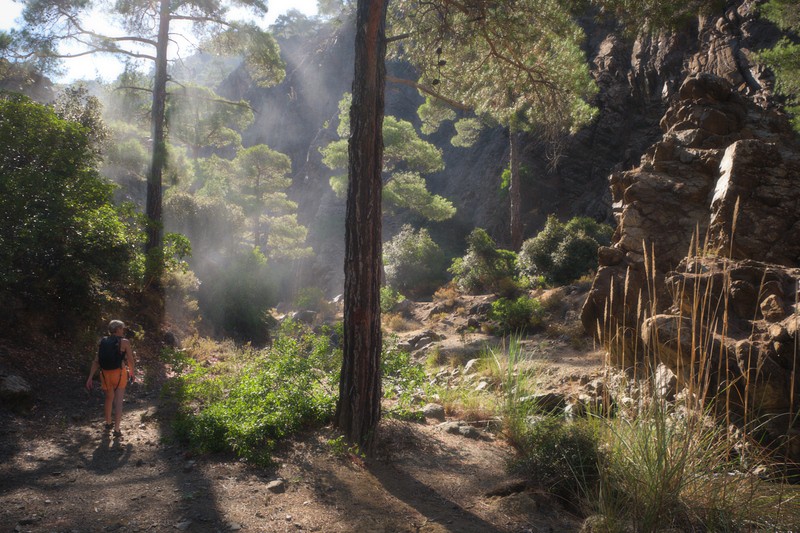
(434, 411)
(405, 346)
(609, 256)
(772, 308)
(665, 382)
(480, 309)
(468, 432)
(304, 316)
(470, 366)
(459, 428)
(276, 486)
(15, 391)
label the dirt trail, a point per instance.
(62, 472)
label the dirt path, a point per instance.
(62, 472)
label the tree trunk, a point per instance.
(358, 409)
(154, 247)
(514, 192)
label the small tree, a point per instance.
(485, 268)
(406, 158)
(62, 242)
(564, 252)
(414, 263)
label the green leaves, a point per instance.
(510, 60)
(409, 190)
(414, 262)
(564, 252)
(784, 57)
(62, 242)
(405, 158)
(264, 396)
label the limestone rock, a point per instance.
(435, 411)
(15, 391)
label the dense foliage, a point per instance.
(406, 158)
(564, 252)
(263, 397)
(63, 244)
(517, 315)
(471, 53)
(236, 297)
(251, 398)
(414, 263)
(485, 267)
(784, 57)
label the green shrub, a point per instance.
(311, 298)
(414, 263)
(64, 247)
(389, 298)
(236, 298)
(517, 315)
(261, 398)
(403, 378)
(563, 253)
(560, 456)
(485, 268)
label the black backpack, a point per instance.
(109, 355)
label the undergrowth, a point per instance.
(250, 399)
(243, 401)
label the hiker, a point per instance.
(115, 361)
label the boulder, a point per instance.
(15, 391)
(434, 411)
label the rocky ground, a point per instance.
(61, 471)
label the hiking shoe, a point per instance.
(108, 426)
(117, 434)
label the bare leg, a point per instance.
(118, 395)
(109, 402)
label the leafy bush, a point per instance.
(517, 315)
(236, 298)
(485, 268)
(561, 456)
(403, 378)
(564, 252)
(414, 263)
(390, 298)
(64, 247)
(261, 398)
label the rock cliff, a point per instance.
(699, 276)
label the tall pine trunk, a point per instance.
(514, 191)
(358, 409)
(154, 247)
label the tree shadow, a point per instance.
(60, 459)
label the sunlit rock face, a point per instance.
(722, 181)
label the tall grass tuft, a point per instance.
(689, 465)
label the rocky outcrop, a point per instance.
(700, 276)
(721, 155)
(731, 336)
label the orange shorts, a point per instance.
(114, 379)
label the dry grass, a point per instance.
(397, 322)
